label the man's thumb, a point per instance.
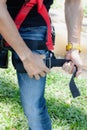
(78, 72)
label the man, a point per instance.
(32, 83)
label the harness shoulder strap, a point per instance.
(43, 12)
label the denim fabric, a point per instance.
(32, 91)
(34, 33)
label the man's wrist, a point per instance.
(73, 46)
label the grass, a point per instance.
(11, 113)
(66, 113)
(85, 10)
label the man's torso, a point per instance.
(33, 19)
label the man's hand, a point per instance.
(75, 58)
(35, 66)
(33, 63)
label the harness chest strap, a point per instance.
(24, 11)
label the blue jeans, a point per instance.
(32, 91)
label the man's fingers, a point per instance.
(78, 72)
(42, 74)
(37, 76)
(31, 76)
(68, 67)
(46, 70)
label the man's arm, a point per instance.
(73, 17)
(33, 63)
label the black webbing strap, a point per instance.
(58, 63)
(53, 62)
(73, 88)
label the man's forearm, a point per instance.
(9, 31)
(73, 16)
(33, 63)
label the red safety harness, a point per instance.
(24, 11)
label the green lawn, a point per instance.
(66, 113)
